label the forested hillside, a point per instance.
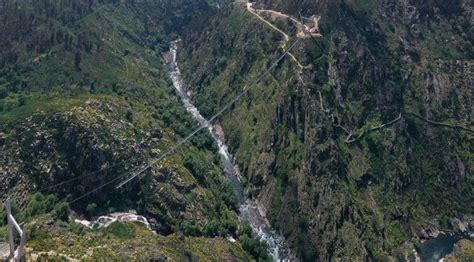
(368, 149)
(358, 145)
(85, 99)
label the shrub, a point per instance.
(91, 209)
(129, 115)
(228, 227)
(122, 230)
(40, 204)
(3, 92)
(256, 248)
(21, 100)
(212, 228)
(61, 211)
(3, 233)
(192, 163)
(190, 229)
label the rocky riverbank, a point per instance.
(463, 224)
(250, 211)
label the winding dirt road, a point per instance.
(254, 12)
(302, 27)
(303, 30)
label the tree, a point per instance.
(3, 92)
(77, 61)
(61, 211)
(194, 165)
(228, 227)
(212, 228)
(21, 100)
(40, 204)
(91, 209)
(129, 115)
(256, 248)
(190, 229)
(49, 202)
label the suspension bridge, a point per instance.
(123, 179)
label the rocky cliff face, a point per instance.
(356, 155)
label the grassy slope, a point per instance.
(124, 241)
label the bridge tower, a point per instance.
(15, 255)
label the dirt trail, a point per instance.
(311, 31)
(254, 12)
(303, 30)
(298, 62)
(302, 27)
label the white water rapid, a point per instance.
(249, 209)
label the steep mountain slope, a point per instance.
(371, 148)
(84, 101)
(357, 146)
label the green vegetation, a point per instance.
(122, 230)
(40, 205)
(3, 233)
(222, 227)
(216, 227)
(61, 211)
(255, 247)
(91, 209)
(463, 252)
(330, 198)
(123, 240)
(92, 93)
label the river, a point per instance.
(249, 209)
(437, 248)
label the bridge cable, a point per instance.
(141, 157)
(87, 175)
(188, 137)
(220, 112)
